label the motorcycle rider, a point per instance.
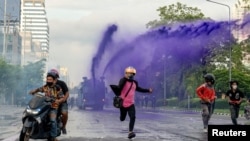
(63, 108)
(235, 97)
(207, 96)
(125, 84)
(53, 91)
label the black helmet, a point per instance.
(233, 81)
(51, 74)
(209, 78)
(54, 71)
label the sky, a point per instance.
(76, 28)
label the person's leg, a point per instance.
(205, 115)
(53, 131)
(237, 110)
(132, 116)
(64, 112)
(210, 111)
(233, 114)
(123, 113)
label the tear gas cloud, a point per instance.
(187, 43)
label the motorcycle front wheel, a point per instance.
(25, 134)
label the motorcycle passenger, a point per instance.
(63, 108)
(207, 96)
(53, 91)
(235, 97)
(128, 86)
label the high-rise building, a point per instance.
(241, 10)
(13, 8)
(10, 40)
(34, 22)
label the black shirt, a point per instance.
(235, 96)
(63, 85)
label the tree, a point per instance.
(176, 13)
(176, 77)
(15, 80)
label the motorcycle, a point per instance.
(36, 122)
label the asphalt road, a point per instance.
(90, 125)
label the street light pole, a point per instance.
(230, 47)
(4, 29)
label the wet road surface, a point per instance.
(151, 125)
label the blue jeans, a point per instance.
(63, 108)
(53, 115)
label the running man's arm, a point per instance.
(142, 90)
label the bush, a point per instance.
(173, 102)
(221, 104)
(194, 103)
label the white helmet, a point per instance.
(130, 70)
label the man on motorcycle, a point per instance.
(55, 92)
(63, 108)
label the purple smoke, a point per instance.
(107, 38)
(182, 44)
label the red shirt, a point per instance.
(205, 92)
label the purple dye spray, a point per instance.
(185, 43)
(107, 38)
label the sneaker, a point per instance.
(64, 131)
(205, 130)
(131, 135)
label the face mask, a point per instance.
(49, 83)
(131, 76)
(234, 87)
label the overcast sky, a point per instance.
(76, 26)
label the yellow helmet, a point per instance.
(130, 70)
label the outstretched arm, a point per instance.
(36, 90)
(143, 90)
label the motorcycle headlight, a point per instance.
(33, 111)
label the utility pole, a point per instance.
(24, 40)
(4, 28)
(230, 45)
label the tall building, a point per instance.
(241, 9)
(10, 40)
(34, 22)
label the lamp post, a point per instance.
(4, 29)
(164, 80)
(230, 47)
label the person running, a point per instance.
(235, 97)
(207, 96)
(128, 87)
(63, 109)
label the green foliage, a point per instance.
(221, 104)
(222, 80)
(182, 82)
(176, 13)
(17, 80)
(194, 103)
(172, 102)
